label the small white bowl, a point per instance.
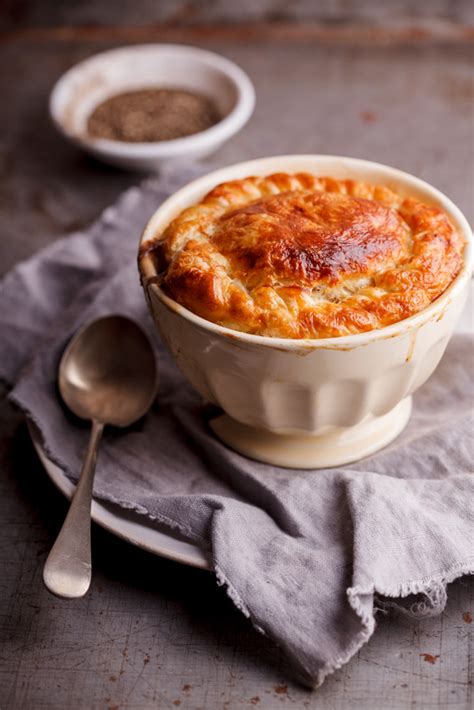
(308, 403)
(81, 89)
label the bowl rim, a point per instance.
(148, 273)
(219, 132)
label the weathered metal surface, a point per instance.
(186, 13)
(406, 32)
(152, 634)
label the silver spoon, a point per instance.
(107, 374)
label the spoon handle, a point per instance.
(68, 569)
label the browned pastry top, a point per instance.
(298, 256)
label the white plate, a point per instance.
(117, 522)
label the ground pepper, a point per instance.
(150, 115)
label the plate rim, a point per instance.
(186, 553)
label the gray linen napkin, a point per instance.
(307, 556)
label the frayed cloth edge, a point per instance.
(404, 589)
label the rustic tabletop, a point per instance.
(151, 633)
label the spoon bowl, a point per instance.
(107, 374)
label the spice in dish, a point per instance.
(151, 115)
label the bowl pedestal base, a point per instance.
(335, 447)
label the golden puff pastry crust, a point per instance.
(298, 256)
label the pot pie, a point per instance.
(299, 256)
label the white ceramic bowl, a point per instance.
(308, 403)
(87, 84)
